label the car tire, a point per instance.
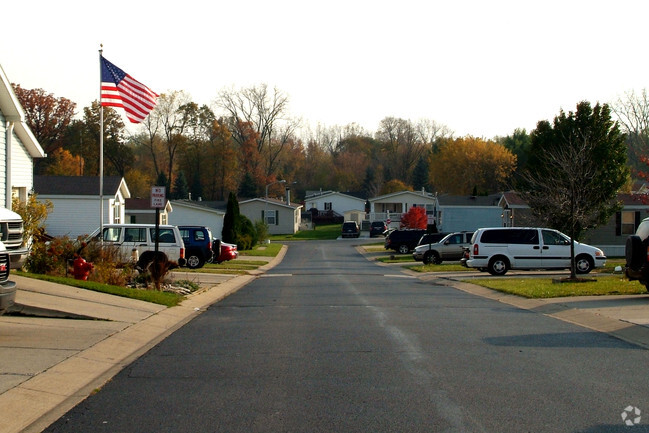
(428, 258)
(403, 249)
(635, 252)
(584, 264)
(498, 265)
(195, 261)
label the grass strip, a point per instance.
(168, 299)
(547, 288)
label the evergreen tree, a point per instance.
(231, 220)
(162, 181)
(181, 189)
(420, 175)
(247, 188)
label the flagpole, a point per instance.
(101, 152)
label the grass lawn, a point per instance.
(321, 232)
(168, 299)
(546, 288)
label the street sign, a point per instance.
(158, 197)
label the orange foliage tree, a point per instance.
(415, 218)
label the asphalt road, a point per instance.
(330, 342)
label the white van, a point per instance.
(499, 249)
(140, 239)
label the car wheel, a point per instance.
(498, 266)
(634, 252)
(428, 258)
(195, 261)
(403, 249)
(583, 264)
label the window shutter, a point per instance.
(276, 217)
(618, 223)
(638, 219)
(263, 216)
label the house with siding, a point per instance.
(76, 201)
(282, 217)
(139, 211)
(335, 203)
(392, 206)
(468, 213)
(197, 213)
(18, 147)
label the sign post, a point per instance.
(158, 198)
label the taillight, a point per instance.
(475, 249)
(209, 245)
(182, 253)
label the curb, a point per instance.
(57, 390)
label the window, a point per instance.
(271, 217)
(111, 234)
(628, 223)
(117, 212)
(327, 206)
(166, 236)
(135, 235)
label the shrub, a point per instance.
(51, 257)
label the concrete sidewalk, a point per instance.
(50, 364)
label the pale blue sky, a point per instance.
(481, 68)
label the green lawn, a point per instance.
(321, 232)
(546, 288)
(168, 299)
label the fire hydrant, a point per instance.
(81, 268)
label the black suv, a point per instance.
(350, 229)
(377, 228)
(403, 241)
(198, 245)
(637, 254)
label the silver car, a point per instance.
(451, 247)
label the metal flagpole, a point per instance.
(101, 152)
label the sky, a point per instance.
(482, 68)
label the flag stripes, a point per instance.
(118, 89)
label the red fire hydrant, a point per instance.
(81, 268)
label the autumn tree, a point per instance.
(415, 218)
(463, 165)
(63, 163)
(394, 185)
(260, 114)
(632, 112)
(47, 117)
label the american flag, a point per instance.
(119, 89)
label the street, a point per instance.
(328, 341)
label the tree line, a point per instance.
(247, 140)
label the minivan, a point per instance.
(499, 249)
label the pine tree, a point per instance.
(230, 220)
(181, 189)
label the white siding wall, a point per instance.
(75, 216)
(3, 154)
(339, 204)
(185, 216)
(288, 222)
(22, 171)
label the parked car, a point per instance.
(431, 238)
(403, 241)
(198, 245)
(137, 242)
(377, 228)
(637, 254)
(450, 247)
(350, 229)
(7, 287)
(497, 250)
(226, 252)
